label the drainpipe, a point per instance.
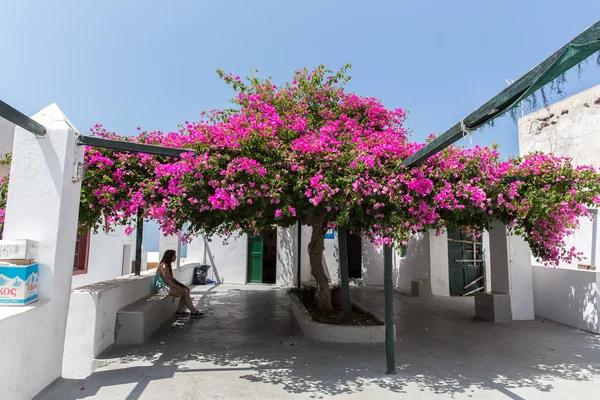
(594, 235)
(389, 312)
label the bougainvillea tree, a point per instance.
(308, 151)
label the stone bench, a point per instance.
(137, 321)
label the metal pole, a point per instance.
(299, 277)
(389, 312)
(594, 236)
(344, 284)
(178, 250)
(84, 140)
(138, 241)
(18, 118)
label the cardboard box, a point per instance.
(18, 249)
(18, 284)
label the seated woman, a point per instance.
(176, 288)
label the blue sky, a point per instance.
(152, 63)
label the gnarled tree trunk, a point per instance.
(315, 252)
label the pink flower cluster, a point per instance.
(311, 152)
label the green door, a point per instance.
(255, 259)
(465, 260)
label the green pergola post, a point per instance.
(344, 283)
(389, 311)
(138, 241)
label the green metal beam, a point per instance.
(388, 288)
(344, 280)
(503, 101)
(83, 140)
(20, 119)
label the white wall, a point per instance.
(106, 256)
(422, 261)
(92, 317)
(567, 296)
(567, 128)
(42, 206)
(231, 259)
(372, 264)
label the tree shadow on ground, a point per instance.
(253, 336)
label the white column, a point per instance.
(440, 269)
(511, 296)
(287, 256)
(521, 279)
(43, 203)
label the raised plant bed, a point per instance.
(365, 326)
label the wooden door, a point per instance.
(465, 261)
(255, 259)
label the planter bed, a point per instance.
(364, 327)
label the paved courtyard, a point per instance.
(250, 347)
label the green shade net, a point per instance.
(571, 56)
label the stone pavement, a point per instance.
(249, 346)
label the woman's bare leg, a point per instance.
(181, 305)
(187, 300)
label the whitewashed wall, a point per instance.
(287, 257)
(42, 206)
(106, 257)
(92, 317)
(567, 128)
(567, 296)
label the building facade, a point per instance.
(447, 263)
(568, 128)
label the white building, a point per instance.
(567, 294)
(568, 128)
(273, 259)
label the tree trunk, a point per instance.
(315, 252)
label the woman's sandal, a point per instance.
(197, 314)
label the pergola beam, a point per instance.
(83, 140)
(18, 118)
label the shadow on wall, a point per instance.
(286, 262)
(372, 264)
(210, 259)
(415, 265)
(295, 365)
(584, 299)
(568, 296)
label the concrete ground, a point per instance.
(250, 347)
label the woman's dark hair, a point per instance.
(167, 259)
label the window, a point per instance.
(82, 252)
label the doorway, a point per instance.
(262, 257)
(465, 260)
(354, 246)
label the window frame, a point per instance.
(79, 267)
